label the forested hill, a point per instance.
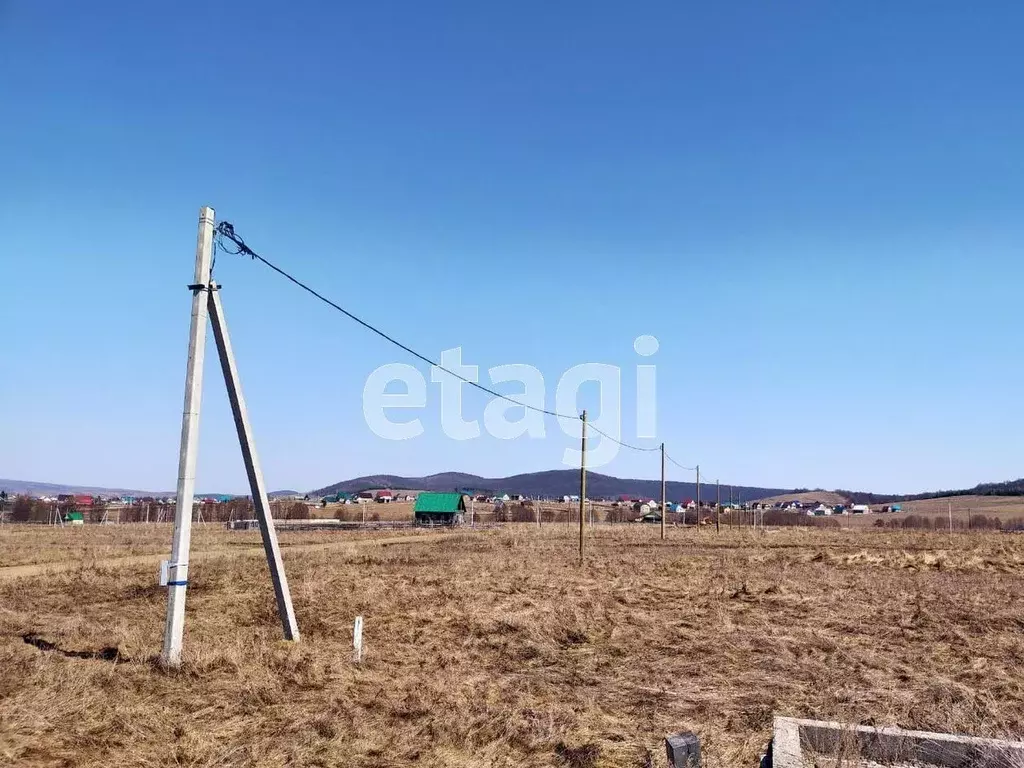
(549, 484)
(1005, 488)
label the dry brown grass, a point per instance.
(89, 545)
(497, 649)
(993, 506)
(1004, 508)
(396, 510)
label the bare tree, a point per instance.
(297, 511)
(21, 512)
(500, 512)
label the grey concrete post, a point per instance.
(178, 571)
(252, 466)
(683, 750)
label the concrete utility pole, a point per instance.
(177, 571)
(252, 466)
(583, 477)
(718, 507)
(178, 567)
(664, 509)
(698, 496)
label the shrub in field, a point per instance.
(235, 509)
(941, 523)
(776, 517)
(96, 511)
(21, 512)
(296, 511)
(521, 513)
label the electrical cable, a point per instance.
(688, 469)
(225, 231)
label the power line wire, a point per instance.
(590, 425)
(688, 469)
(226, 231)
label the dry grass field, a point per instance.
(993, 506)
(495, 648)
(1004, 508)
(397, 510)
(85, 546)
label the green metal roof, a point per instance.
(440, 502)
(74, 516)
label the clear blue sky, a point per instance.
(815, 207)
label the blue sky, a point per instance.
(816, 209)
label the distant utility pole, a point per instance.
(583, 477)
(698, 498)
(205, 301)
(718, 507)
(664, 507)
(950, 503)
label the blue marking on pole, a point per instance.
(177, 583)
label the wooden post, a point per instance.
(718, 507)
(664, 506)
(357, 640)
(583, 477)
(698, 497)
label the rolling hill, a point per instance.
(551, 483)
(34, 488)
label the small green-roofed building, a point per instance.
(75, 518)
(440, 509)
